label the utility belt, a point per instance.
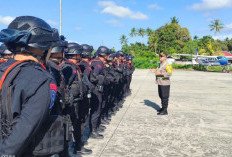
(162, 78)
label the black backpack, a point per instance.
(50, 139)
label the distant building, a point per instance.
(225, 53)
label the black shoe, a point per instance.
(85, 143)
(163, 112)
(113, 113)
(96, 135)
(83, 151)
(159, 110)
(105, 122)
(108, 118)
(102, 127)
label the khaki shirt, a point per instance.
(166, 71)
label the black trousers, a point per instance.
(83, 113)
(95, 112)
(164, 92)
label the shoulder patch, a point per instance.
(53, 91)
(169, 68)
(99, 66)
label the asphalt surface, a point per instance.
(199, 121)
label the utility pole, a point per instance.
(60, 17)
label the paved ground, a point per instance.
(199, 121)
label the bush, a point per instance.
(210, 68)
(184, 67)
(145, 63)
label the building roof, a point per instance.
(226, 53)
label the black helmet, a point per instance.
(73, 49)
(60, 45)
(86, 50)
(120, 53)
(29, 31)
(112, 56)
(103, 51)
(130, 57)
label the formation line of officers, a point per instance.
(52, 90)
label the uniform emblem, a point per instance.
(99, 66)
(169, 68)
(53, 91)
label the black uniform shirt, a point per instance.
(33, 94)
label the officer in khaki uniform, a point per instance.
(163, 73)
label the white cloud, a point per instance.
(53, 23)
(115, 23)
(109, 7)
(223, 37)
(208, 5)
(6, 20)
(78, 28)
(155, 6)
(227, 28)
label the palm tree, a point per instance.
(123, 40)
(216, 25)
(133, 32)
(141, 32)
(149, 31)
(174, 20)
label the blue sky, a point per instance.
(103, 22)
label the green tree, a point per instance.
(149, 31)
(171, 38)
(133, 32)
(141, 32)
(174, 20)
(216, 26)
(195, 37)
(123, 40)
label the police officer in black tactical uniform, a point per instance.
(119, 71)
(57, 56)
(109, 88)
(77, 92)
(97, 78)
(28, 91)
(87, 72)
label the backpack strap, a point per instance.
(6, 115)
(8, 70)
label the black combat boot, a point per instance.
(99, 129)
(107, 117)
(102, 127)
(85, 143)
(105, 122)
(163, 112)
(159, 110)
(82, 151)
(96, 135)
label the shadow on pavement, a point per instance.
(152, 104)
